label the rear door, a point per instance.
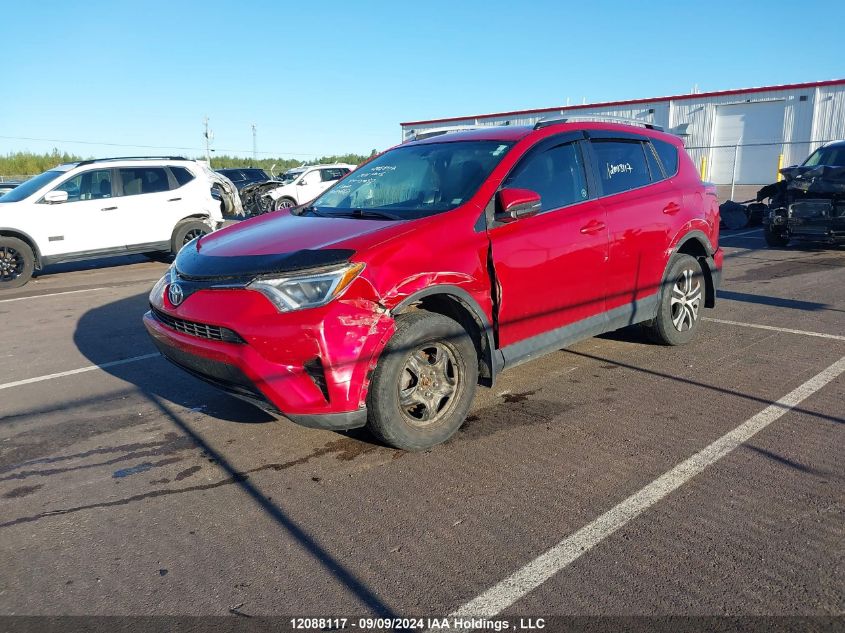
(642, 206)
(550, 267)
(148, 209)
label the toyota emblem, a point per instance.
(175, 294)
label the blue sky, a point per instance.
(333, 77)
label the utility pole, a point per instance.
(254, 147)
(209, 136)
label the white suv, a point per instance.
(303, 184)
(113, 206)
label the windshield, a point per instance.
(290, 176)
(833, 156)
(415, 181)
(31, 186)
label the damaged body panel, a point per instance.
(809, 203)
(230, 199)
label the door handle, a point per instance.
(174, 199)
(108, 208)
(672, 208)
(593, 226)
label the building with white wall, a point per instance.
(739, 136)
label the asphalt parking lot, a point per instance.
(130, 488)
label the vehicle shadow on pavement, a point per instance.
(121, 320)
(113, 331)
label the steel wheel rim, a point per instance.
(428, 384)
(686, 300)
(12, 263)
(192, 235)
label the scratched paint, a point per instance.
(125, 472)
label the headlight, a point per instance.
(308, 289)
(157, 293)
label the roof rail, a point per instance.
(101, 160)
(598, 118)
(424, 134)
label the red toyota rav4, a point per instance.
(437, 265)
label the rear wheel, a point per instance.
(17, 262)
(774, 238)
(185, 232)
(681, 300)
(424, 382)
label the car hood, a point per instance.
(281, 242)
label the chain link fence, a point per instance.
(749, 165)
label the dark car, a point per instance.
(809, 203)
(243, 176)
(7, 185)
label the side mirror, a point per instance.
(517, 203)
(55, 197)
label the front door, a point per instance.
(83, 223)
(550, 267)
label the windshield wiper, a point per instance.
(368, 213)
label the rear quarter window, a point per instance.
(182, 175)
(668, 154)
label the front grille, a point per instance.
(200, 330)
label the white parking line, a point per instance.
(520, 583)
(52, 294)
(772, 328)
(81, 370)
(728, 235)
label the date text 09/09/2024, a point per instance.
(422, 624)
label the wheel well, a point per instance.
(452, 307)
(695, 248)
(26, 239)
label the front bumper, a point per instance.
(311, 366)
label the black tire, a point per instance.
(444, 354)
(284, 203)
(681, 301)
(774, 239)
(186, 231)
(17, 263)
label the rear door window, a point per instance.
(140, 180)
(557, 174)
(621, 165)
(330, 175)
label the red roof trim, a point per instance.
(699, 95)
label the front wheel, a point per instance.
(285, 203)
(17, 262)
(774, 238)
(681, 300)
(424, 382)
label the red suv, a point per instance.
(437, 265)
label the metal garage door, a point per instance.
(743, 124)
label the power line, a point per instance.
(195, 149)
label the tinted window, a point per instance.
(254, 175)
(653, 163)
(621, 165)
(182, 175)
(833, 155)
(557, 174)
(138, 180)
(668, 156)
(328, 175)
(89, 185)
(31, 186)
(234, 175)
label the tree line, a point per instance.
(30, 163)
